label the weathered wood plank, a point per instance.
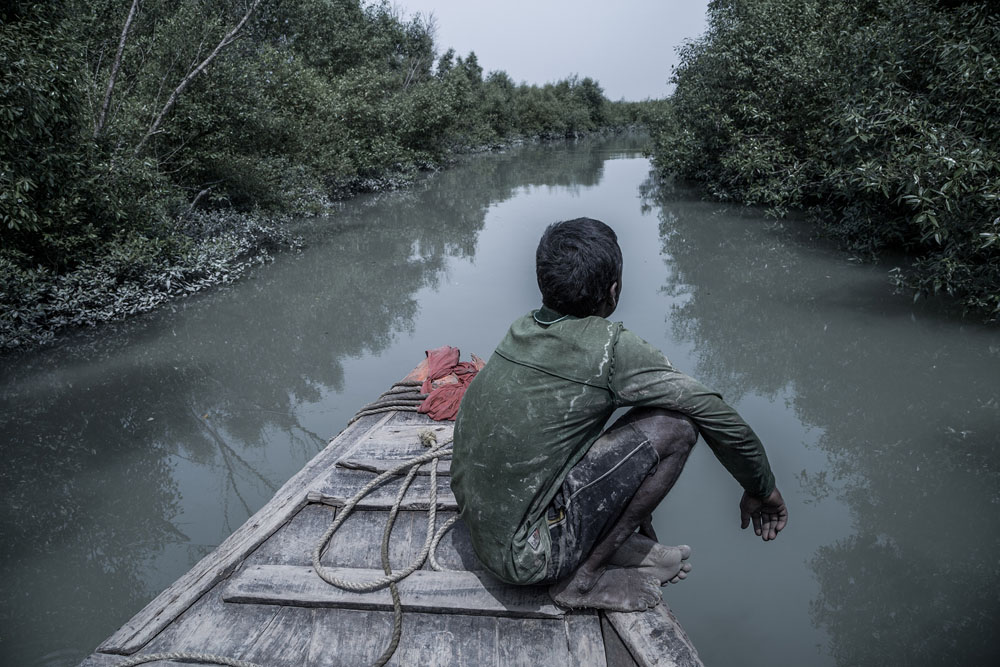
(370, 463)
(655, 638)
(394, 443)
(217, 565)
(446, 641)
(345, 637)
(292, 544)
(339, 484)
(400, 434)
(416, 418)
(357, 542)
(615, 650)
(383, 502)
(397, 438)
(209, 626)
(534, 642)
(108, 660)
(455, 550)
(439, 640)
(423, 591)
(321, 637)
(583, 636)
(101, 660)
(285, 641)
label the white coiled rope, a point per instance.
(430, 542)
(412, 466)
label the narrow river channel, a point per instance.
(132, 450)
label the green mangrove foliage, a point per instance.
(878, 116)
(134, 132)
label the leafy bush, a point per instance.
(133, 274)
(43, 172)
(102, 215)
(876, 115)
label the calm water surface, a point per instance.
(132, 451)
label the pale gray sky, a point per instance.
(627, 45)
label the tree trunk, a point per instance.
(99, 125)
(186, 81)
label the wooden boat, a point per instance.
(256, 597)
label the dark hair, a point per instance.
(576, 263)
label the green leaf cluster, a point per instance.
(878, 116)
(313, 100)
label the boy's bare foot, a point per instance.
(667, 564)
(618, 589)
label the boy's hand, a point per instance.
(769, 515)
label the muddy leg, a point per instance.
(592, 584)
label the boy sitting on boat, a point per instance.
(548, 494)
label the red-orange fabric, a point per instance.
(440, 362)
(442, 401)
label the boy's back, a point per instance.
(541, 401)
(525, 420)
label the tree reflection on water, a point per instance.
(909, 407)
(132, 450)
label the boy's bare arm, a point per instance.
(769, 515)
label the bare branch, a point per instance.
(184, 142)
(100, 60)
(431, 25)
(191, 208)
(93, 81)
(226, 449)
(90, 84)
(186, 81)
(412, 71)
(114, 70)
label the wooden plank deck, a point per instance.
(472, 593)
(256, 597)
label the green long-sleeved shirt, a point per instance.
(543, 398)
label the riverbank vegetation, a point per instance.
(878, 117)
(152, 148)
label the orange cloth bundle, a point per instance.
(445, 382)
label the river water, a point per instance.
(132, 450)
